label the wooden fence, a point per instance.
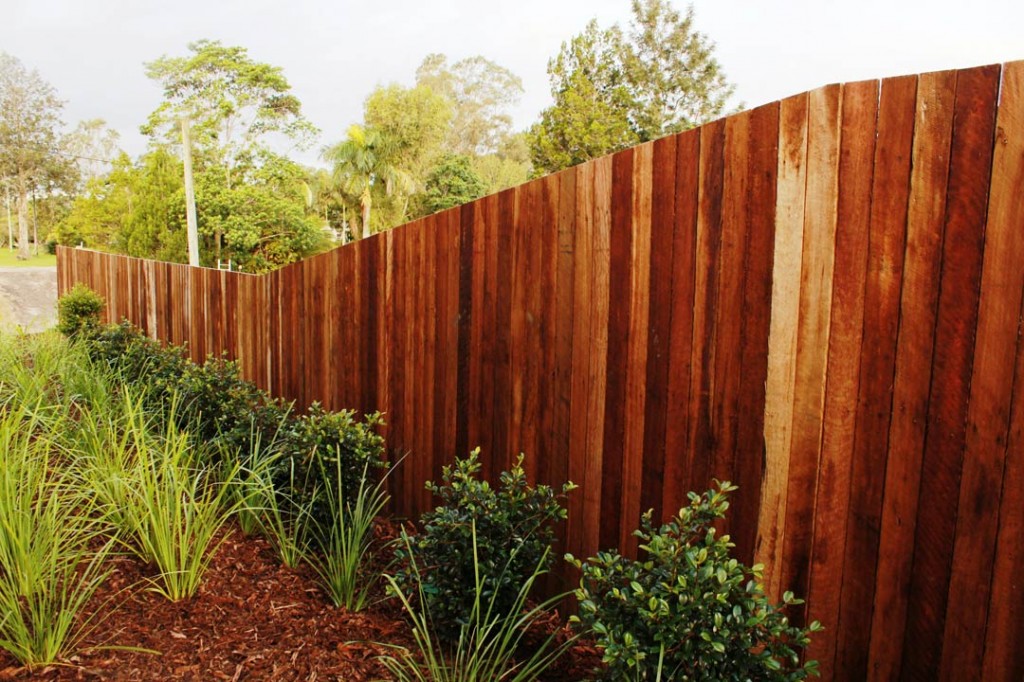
(819, 299)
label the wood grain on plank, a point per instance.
(677, 456)
(659, 336)
(856, 162)
(959, 290)
(817, 268)
(782, 337)
(636, 348)
(887, 236)
(1004, 639)
(925, 222)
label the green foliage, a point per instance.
(612, 91)
(137, 209)
(78, 311)
(487, 640)
(672, 71)
(503, 534)
(156, 489)
(321, 449)
(260, 209)
(687, 610)
(452, 182)
(415, 120)
(368, 166)
(480, 93)
(262, 214)
(591, 113)
(346, 540)
(231, 99)
(48, 568)
(287, 466)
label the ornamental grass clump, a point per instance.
(49, 569)
(167, 504)
(345, 542)
(687, 610)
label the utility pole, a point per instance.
(190, 196)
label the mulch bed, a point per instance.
(253, 619)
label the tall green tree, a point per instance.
(32, 157)
(613, 90)
(415, 120)
(672, 71)
(452, 182)
(593, 103)
(232, 101)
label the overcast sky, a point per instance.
(335, 52)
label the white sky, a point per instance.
(334, 53)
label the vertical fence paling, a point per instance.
(818, 299)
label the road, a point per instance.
(28, 298)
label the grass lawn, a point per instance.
(9, 259)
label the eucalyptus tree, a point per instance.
(481, 94)
(31, 144)
(234, 104)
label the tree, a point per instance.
(94, 146)
(265, 218)
(481, 93)
(133, 209)
(593, 103)
(365, 164)
(452, 182)
(672, 71)
(233, 102)
(416, 122)
(30, 141)
(612, 91)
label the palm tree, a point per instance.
(365, 162)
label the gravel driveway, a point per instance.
(28, 298)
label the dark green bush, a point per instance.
(139, 359)
(687, 610)
(513, 526)
(318, 445)
(78, 311)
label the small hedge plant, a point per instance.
(78, 311)
(236, 419)
(687, 610)
(512, 525)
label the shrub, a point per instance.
(219, 403)
(485, 645)
(687, 610)
(78, 311)
(504, 534)
(321, 447)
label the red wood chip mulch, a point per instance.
(253, 619)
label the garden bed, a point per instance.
(253, 619)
